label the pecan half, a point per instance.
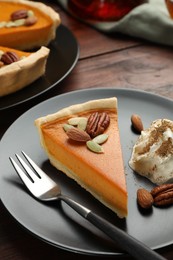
(9, 57)
(97, 123)
(163, 195)
(19, 14)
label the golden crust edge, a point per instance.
(20, 72)
(109, 103)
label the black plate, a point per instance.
(57, 223)
(64, 53)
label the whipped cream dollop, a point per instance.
(152, 155)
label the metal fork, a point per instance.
(45, 189)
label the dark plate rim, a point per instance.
(63, 27)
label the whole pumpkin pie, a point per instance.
(26, 24)
(83, 141)
(18, 68)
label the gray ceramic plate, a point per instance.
(58, 224)
(64, 53)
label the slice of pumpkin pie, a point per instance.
(26, 24)
(83, 141)
(18, 68)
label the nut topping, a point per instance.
(1, 64)
(78, 135)
(100, 139)
(163, 195)
(9, 57)
(94, 147)
(159, 196)
(20, 18)
(137, 123)
(31, 20)
(19, 14)
(144, 198)
(97, 123)
(82, 129)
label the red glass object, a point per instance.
(103, 10)
(169, 4)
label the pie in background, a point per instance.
(26, 68)
(27, 26)
(15, 30)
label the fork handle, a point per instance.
(131, 245)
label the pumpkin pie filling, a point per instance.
(101, 174)
(27, 37)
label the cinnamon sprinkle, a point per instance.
(167, 146)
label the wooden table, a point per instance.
(105, 61)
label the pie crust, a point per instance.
(20, 74)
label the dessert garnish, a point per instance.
(8, 57)
(78, 135)
(163, 195)
(144, 198)
(89, 130)
(152, 155)
(159, 196)
(97, 123)
(20, 18)
(137, 123)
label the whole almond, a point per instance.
(31, 20)
(137, 123)
(78, 135)
(144, 198)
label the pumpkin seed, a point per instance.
(30, 13)
(94, 147)
(82, 123)
(75, 120)
(3, 24)
(100, 139)
(66, 127)
(19, 22)
(10, 24)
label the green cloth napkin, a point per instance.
(150, 21)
